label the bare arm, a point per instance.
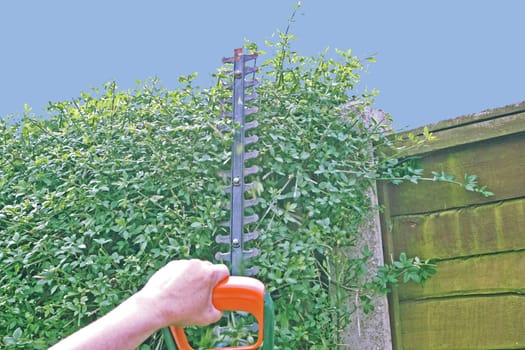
(179, 294)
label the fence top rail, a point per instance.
(485, 125)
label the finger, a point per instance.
(220, 272)
(214, 315)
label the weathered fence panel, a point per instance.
(477, 298)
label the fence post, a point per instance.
(370, 331)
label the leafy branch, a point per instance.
(408, 170)
(117, 183)
(405, 269)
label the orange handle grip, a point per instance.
(235, 293)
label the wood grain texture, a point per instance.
(498, 163)
(388, 245)
(464, 323)
(469, 129)
(456, 233)
(489, 274)
(477, 298)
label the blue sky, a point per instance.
(435, 59)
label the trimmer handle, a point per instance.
(235, 293)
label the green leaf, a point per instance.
(17, 333)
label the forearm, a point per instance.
(179, 294)
(125, 327)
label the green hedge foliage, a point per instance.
(117, 183)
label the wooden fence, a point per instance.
(477, 298)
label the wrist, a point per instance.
(144, 311)
(153, 309)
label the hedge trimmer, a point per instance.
(239, 293)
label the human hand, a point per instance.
(180, 293)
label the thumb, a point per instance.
(214, 315)
(220, 272)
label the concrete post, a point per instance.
(369, 331)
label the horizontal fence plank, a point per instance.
(477, 298)
(499, 164)
(463, 232)
(489, 274)
(495, 322)
(470, 129)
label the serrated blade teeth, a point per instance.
(251, 219)
(251, 271)
(248, 70)
(251, 236)
(224, 173)
(249, 186)
(250, 253)
(247, 58)
(225, 239)
(250, 110)
(247, 254)
(242, 78)
(251, 125)
(224, 128)
(251, 154)
(254, 169)
(251, 97)
(251, 139)
(220, 256)
(222, 239)
(250, 56)
(251, 83)
(250, 202)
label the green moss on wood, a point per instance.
(466, 130)
(489, 274)
(461, 232)
(499, 164)
(487, 322)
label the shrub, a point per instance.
(117, 183)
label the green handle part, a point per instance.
(268, 322)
